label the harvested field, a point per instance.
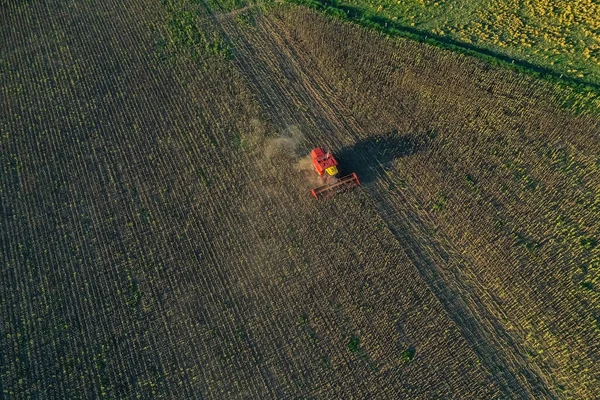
(158, 239)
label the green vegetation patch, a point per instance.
(187, 35)
(353, 344)
(408, 354)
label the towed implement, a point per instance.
(327, 167)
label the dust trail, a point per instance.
(304, 165)
(289, 141)
(291, 147)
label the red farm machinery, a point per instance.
(327, 167)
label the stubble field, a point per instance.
(159, 240)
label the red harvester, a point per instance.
(326, 166)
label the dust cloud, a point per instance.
(288, 142)
(290, 147)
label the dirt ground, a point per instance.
(159, 239)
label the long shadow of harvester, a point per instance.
(370, 157)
